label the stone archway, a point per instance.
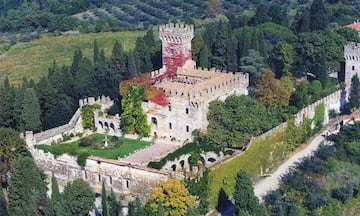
(173, 167)
(101, 124)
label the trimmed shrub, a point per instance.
(81, 159)
(85, 141)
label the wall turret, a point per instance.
(176, 46)
(352, 62)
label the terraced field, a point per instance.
(32, 59)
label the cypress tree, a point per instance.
(3, 204)
(30, 111)
(318, 16)
(204, 57)
(55, 193)
(96, 52)
(26, 186)
(160, 210)
(245, 199)
(118, 61)
(114, 205)
(104, 204)
(76, 61)
(354, 97)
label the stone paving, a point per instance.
(154, 152)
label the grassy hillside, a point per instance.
(33, 59)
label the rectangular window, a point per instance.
(169, 108)
(170, 126)
(187, 128)
(353, 67)
(187, 110)
(127, 184)
(99, 178)
(110, 180)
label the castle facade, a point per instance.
(188, 89)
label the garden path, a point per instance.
(152, 153)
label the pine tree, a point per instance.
(354, 97)
(245, 199)
(318, 16)
(30, 111)
(204, 57)
(104, 204)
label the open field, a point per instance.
(32, 59)
(127, 147)
(223, 175)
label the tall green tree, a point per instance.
(96, 51)
(118, 62)
(318, 16)
(55, 192)
(30, 114)
(26, 187)
(135, 208)
(261, 14)
(78, 198)
(104, 204)
(253, 64)
(133, 118)
(3, 204)
(354, 96)
(114, 206)
(245, 200)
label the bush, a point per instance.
(343, 193)
(85, 142)
(81, 159)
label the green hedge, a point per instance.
(186, 149)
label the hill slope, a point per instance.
(32, 59)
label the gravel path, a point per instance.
(272, 182)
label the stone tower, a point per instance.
(176, 46)
(352, 62)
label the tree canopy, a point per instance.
(173, 196)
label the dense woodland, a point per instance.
(283, 50)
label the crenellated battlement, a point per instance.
(352, 52)
(176, 33)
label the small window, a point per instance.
(187, 128)
(170, 108)
(99, 178)
(353, 67)
(187, 110)
(110, 180)
(127, 184)
(85, 175)
(170, 126)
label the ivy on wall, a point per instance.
(319, 115)
(87, 115)
(133, 118)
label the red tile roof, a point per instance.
(355, 25)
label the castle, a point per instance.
(352, 60)
(188, 89)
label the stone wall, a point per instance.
(122, 178)
(74, 125)
(334, 101)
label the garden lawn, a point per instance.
(257, 155)
(128, 147)
(32, 59)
